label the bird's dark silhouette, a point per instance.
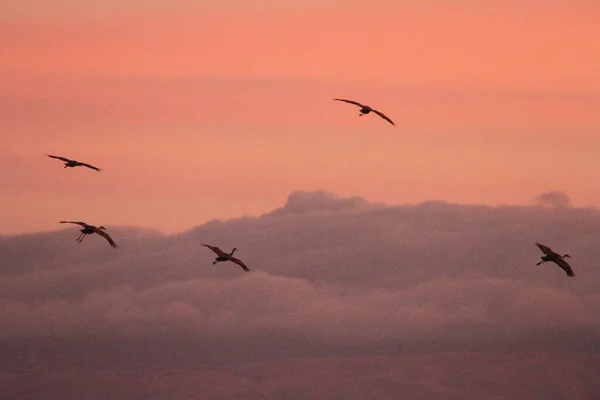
(551, 255)
(366, 110)
(222, 256)
(73, 163)
(89, 229)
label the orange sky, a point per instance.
(221, 110)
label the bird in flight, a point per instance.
(550, 255)
(222, 256)
(73, 163)
(89, 229)
(366, 109)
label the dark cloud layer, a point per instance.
(452, 376)
(331, 277)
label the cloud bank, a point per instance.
(330, 277)
(320, 265)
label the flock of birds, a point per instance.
(222, 256)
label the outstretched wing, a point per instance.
(60, 158)
(89, 166)
(564, 265)
(240, 263)
(382, 115)
(215, 249)
(544, 249)
(351, 102)
(75, 222)
(106, 236)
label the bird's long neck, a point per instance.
(232, 251)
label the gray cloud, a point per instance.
(303, 202)
(319, 265)
(553, 199)
(329, 276)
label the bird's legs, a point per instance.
(216, 261)
(80, 238)
(541, 262)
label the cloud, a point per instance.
(553, 199)
(303, 202)
(330, 277)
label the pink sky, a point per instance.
(220, 110)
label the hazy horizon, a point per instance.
(555, 199)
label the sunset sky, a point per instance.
(213, 109)
(386, 262)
